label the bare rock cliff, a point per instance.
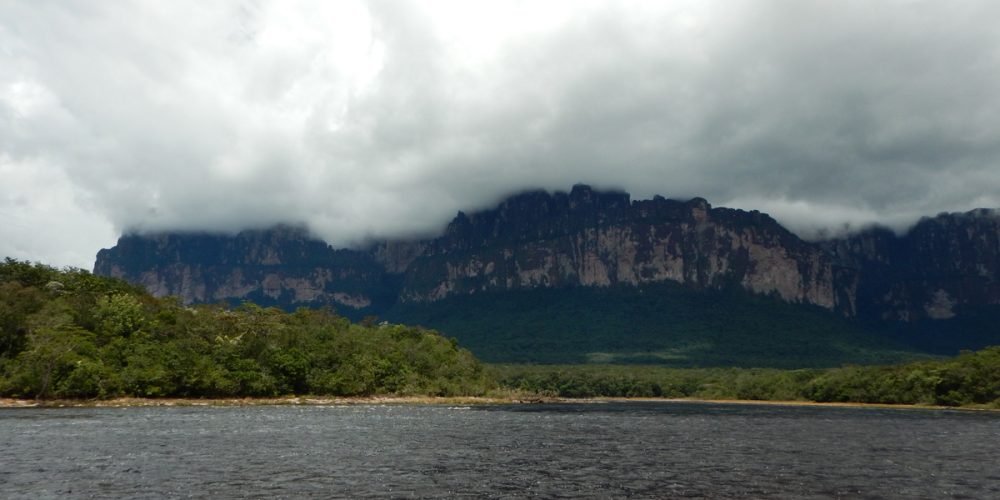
(283, 265)
(587, 238)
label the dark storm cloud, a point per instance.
(384, 118)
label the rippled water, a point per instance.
(578, 450)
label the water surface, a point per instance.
(648, 449)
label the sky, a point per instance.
(377, 119)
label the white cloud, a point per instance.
(383, 118)
(42, 214)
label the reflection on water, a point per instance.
(574, 450)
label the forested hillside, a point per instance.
(70, 334)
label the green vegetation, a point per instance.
(70, 334)
(972, 378)
(661, 324)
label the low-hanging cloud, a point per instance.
(383, 118)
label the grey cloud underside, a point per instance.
(820, 113)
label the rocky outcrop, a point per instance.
(586, 238)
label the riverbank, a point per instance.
(429, 400)
(276, 401)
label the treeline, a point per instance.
(972, 378)
(70, 334)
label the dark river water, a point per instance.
(643, 450)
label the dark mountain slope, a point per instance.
(660, 323)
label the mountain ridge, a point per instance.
(944, 265)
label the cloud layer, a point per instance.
(383, 118)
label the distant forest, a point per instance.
(656, 324)
(970, 379)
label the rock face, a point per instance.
(941, 266)
(586, 238)
(282, 265)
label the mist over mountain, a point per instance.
(379, 120)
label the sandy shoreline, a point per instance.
(423, 400)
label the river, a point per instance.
(600, 450)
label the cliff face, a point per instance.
(943, 265)
(283, 265)
(586, 238)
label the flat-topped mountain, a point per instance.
(945, 267)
